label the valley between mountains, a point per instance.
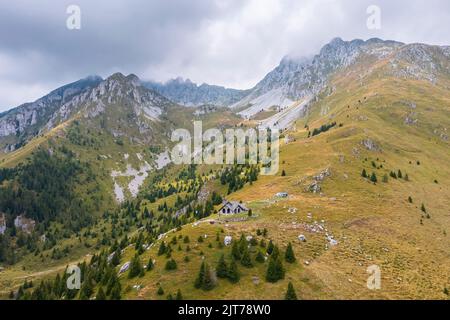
(86, 179)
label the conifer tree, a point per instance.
(162, 248)
(115, 261)
(100, 294)
(275, 270)
(259, 257)
(87, 288)
(270, 247)
(208, 281)
(235, 252)
(160, 291)
(373, 177)
(289, 255)
(201, 274)
(290, 293)
(135, 267)
(233, 273)
(222, 268)
(246, 260)
(116, 291)
(424, 210)
(364, 173)
(171, 265)
(179, 296)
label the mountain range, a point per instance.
(294, 79)
(85, 177)
(187, 93)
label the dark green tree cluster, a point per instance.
(234, 178)
(323, 128)
(275, 270)
(204, 280)
(136, 268)
(98, 278)
(227, 271)
(171, 265)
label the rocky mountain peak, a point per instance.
(188, 93)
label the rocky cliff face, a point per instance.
(20, 124)
(122, 98)
(295, 78)
(190, 94)
(292, 80)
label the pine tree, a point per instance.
(424, 210)
(208, 281)
(233, 273)
(275, 252)
(399, 174)
(100, 294)
(201, 274)
(290, 293)
(171, 265)
(116, 291)
(259, 257)
(135, 267)
(289, 255)
(275, 270)
(410, 200)
(115, 261)
(222, 268)
(162, 248)
(385, 178)
(283, 173)
(160, 291)
(364, 173)
(87, 288)
(270, 247)
(373, 177)
(246, 260)
(179, 296)
(406, 177)
(235, 252)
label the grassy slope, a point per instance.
(374, 224)
(103, 157)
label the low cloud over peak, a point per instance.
(229, 43)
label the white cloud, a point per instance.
(232, 43)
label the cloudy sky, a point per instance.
(232, 43)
